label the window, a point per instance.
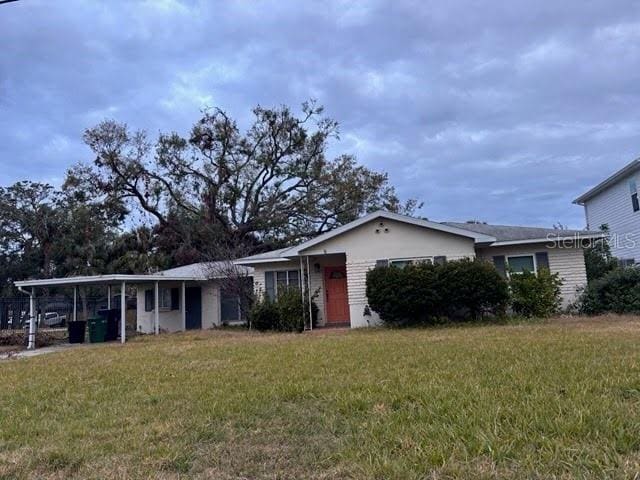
(633, 189)
(277, 280)
(168, 299)
(521, 263)
(403, 262)
(627, 262)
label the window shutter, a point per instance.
(270, 285)
(175, 299)
(440, 260)
(542, 260)
(382, 263)
(499, 263)
(148, 300)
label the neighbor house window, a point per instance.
(627, 262)
(403, 262)
(521, 263)
(633, 189)
(275, 281)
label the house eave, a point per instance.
(606, 183)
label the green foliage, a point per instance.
(473, 286)
(424, 293)
(598, 259)
(264, 315)
(535, 295)
(618, 291)
(286, 314)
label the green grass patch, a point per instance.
(558, 399)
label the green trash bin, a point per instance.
(97, 329)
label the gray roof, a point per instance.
(628, 169)
(513, 233)
(207, 270)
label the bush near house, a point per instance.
(617, 291)
(535, 295)
(424, 293)
(284, 314)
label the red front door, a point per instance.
(336, 301)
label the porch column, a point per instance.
(123, 313)
(75, 303)
(156, 309)
(309, 294)
(32, 319)
(108, 297)
(183, 305)
(302, 287)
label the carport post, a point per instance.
(183, 304)
(32, 319)
(75, 303)
(156, 309)
(123, 314)
(108, 297)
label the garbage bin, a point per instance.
(77, 331)
(111, 316)
(97, 329)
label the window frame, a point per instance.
(288, 280)
(520, 255)
(164, 294)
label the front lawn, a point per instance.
(560, 399)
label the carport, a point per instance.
(109, 282)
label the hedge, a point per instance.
(424, 293)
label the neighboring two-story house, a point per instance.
(614, 202)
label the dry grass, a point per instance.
(557, 399)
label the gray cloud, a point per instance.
(500, 112)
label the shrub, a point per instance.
(285, 314)
(535, 295)
(617, 291)
(264, 315)
(290, 310)
(472, 288)
(422, 294)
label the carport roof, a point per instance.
(100, 279)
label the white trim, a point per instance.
(297, 250)
(578, 236)
(609, 181)
(98, 279)
(478, 237)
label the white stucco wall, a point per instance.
(613, 207)
(171, 320)
(567, 262)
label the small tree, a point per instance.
(597, 257)
(535, 295)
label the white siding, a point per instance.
(567, 262)
(613, 207)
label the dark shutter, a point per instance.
(270, 285)
(542, 260)
(382, 263)
(175, 299)
(499, 263)
(148, 300)
(440, 260)
(634, 202)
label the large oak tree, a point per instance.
(223, 189)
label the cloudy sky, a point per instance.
(501, 112)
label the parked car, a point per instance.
(53, 319)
